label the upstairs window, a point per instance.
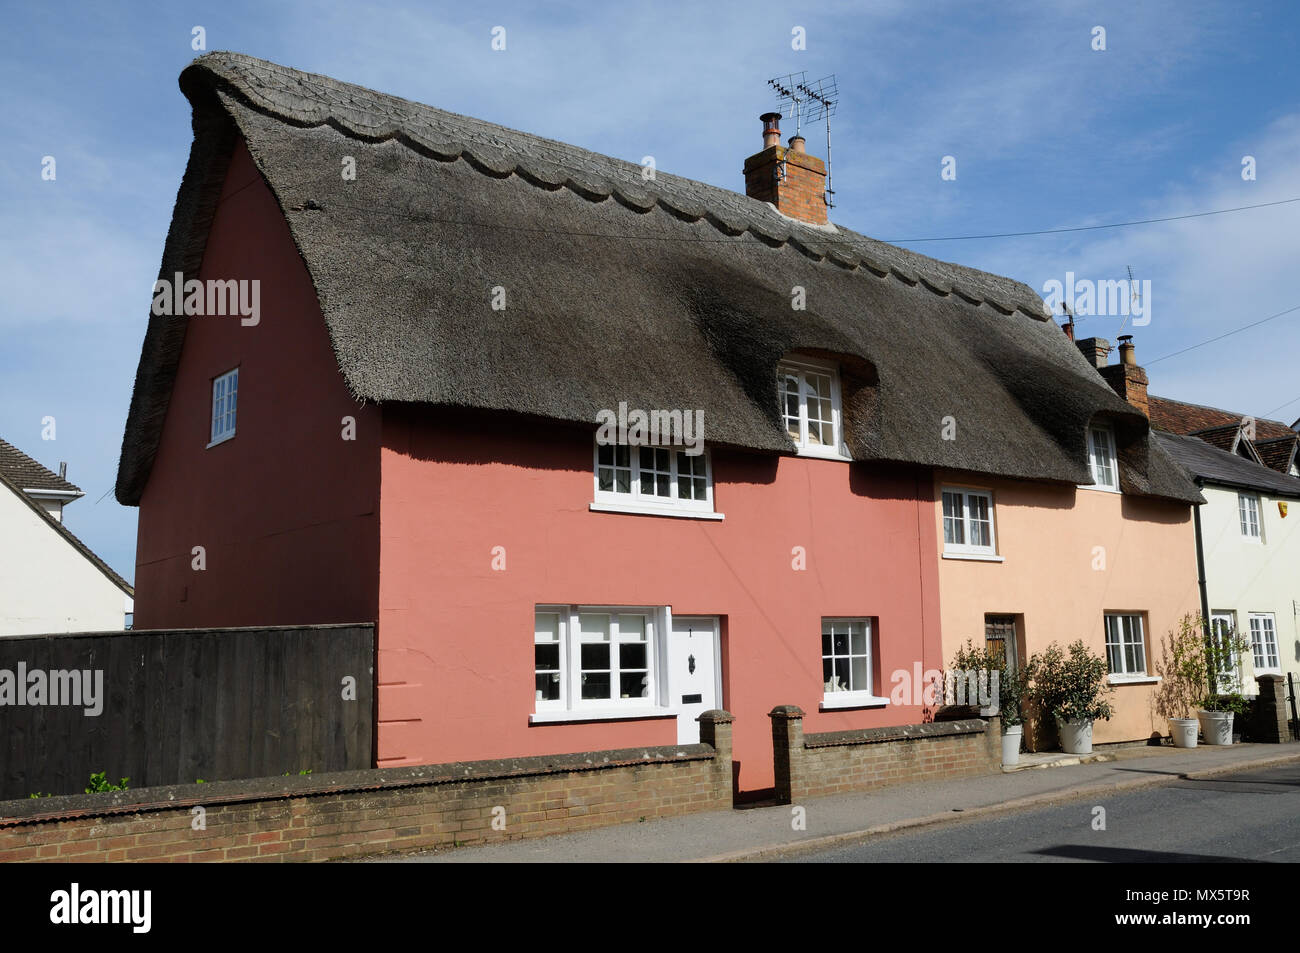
(968, 522)
(662, 480)
(1101, 457)
(1248, 515)
(810, 408)
(225, 394)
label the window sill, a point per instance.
(840, 700)
(1099, 489)
(560, 716)
(1133, 679)
(822, 453)
(648, 510)
(229, 436)
(978, 557)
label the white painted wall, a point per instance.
(1244, 575)
(46, 584)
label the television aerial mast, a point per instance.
(813, 101)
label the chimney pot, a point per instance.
(796, 144)
(771, 129)
(1127, 353)
(63, 469)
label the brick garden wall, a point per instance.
(354, 813)
(841, 762)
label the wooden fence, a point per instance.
(175, 706)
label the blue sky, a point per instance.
(1046, 133)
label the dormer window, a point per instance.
(810, 407)
(1101, 457)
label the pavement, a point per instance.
(773, 833)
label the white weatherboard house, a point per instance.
(1249, 535)
(50, 581)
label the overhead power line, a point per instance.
(1225, 334)
(1091, 228)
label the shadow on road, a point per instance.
(1133, 855)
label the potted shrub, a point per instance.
(1223, 658)
(1183, 679)
(1070, 689)
(1011, 688)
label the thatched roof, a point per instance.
(666, 293)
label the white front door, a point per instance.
(694, 673)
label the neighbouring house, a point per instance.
(415, 427)
(1247, 533)
(1103, 553)
(50, 581)
(1269, 443)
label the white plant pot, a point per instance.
(1076, 736)
(1183, 732)
(1217, 726)
(1011, 744)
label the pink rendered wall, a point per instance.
(1049, 538)
(286, 510)
(456, 656)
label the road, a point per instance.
(1250, 816)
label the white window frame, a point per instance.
(966, 548)
(1124, 675)
(1250, 515)
(612, 501)
(1257, 641)
(1108, 433)
(853, 696)
(570, 706)
(221, 383)
(1226, 679)
(801, 368)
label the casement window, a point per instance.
(1126, 650)
(968, 522)
(1248, 515)
(810, 407)
(1263, 642)
(663, 480)
(597, 660)
(1101, 457)
(225, 394)
(848, 671)
(1223, 629)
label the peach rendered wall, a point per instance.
(456, 655)
(1052, 539)
(286, 510)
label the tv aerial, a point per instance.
(806, 101)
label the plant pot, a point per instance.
(1076, 736)
(1217, 726)
(1183, 732)
(1011, 744)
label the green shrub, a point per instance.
(1070, 687)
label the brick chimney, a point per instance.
(1126, 378)
(790, 179)
(1095, 350)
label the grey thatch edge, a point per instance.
(172, 797)
(196, 204)
(218, 70)
(874, 736)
